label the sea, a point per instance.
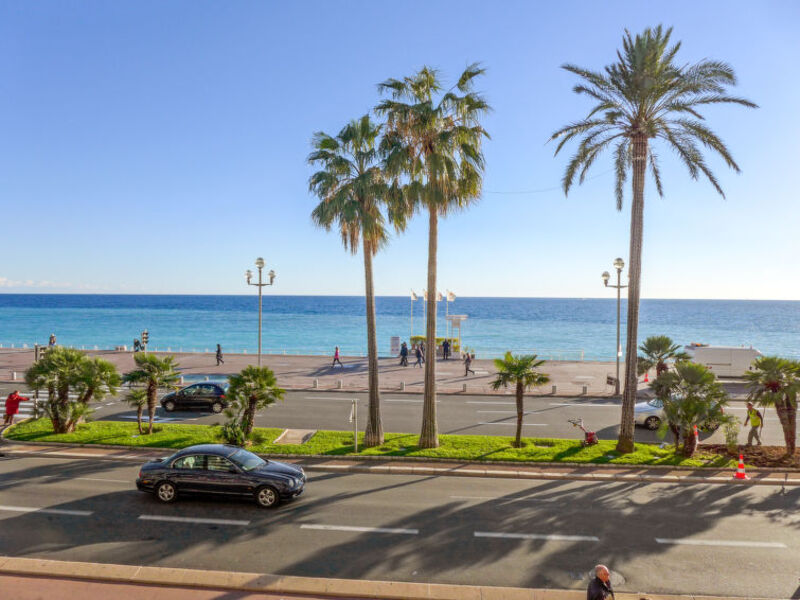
(553, 328)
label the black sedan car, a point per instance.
(221, 470)
(203, 396)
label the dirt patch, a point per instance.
(759, 456)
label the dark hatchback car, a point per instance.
(202, 396)
(221, 470)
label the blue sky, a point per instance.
(159, 147)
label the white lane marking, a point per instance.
(582, 405)
(100, 479)
(537, 536)
(738, 544)
(506, 412)
(489, 402)
(192, 520)
(361, 529)
(50, 511)
(514, 424)
(348, 398)
(408, 400)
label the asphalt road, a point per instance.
(699, 539)
(402, 413)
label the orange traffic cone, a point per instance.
(646, 380)
(696, 434)
(740, 471)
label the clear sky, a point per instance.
(159, 147)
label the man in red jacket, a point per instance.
(12, 406)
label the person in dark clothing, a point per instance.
(446, 349)
(403, 355)
(467, 363)
(422, 351)
(600, 587)
(418, 354)
(219, 356)
(52, 341)
(137, 345)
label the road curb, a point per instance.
(288, 584)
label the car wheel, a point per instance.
(652, 423)
(267, 497)
(169, 405)
(217, 407)
(166, 492)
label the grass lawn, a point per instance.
(340, 443)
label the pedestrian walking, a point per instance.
(467, 363)
(756, 420)
(52, 341)
(418, 354)
(219, 356)
(336, 358)
(137, 345)
(12, 406)
(446, 349)
(403, 355)
(422, 351)
(600, 587)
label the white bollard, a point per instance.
(585, 390)
(180, 380)
(315, 385)
(555, 389)
(13, 375)
(206, 377)
(339, 384)
(402, 386)
(464, 388)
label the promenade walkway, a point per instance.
(315, 372)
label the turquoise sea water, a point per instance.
(564, 328)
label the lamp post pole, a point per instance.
(619, 264)
(249, 275)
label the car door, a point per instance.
(226, 478)
(185, 397)
(189, 473)
(207, 395)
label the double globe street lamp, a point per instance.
(619, 264)
(249, 275)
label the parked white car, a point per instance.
(650, 414)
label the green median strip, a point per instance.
(340, 443)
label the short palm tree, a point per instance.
(137, 398)
(153, 373)
(692, 397)
(775, 382)
(645, 96)
(657, 350)
(251, 390)
(521, 372)
(432, 148)
(351, 188)
(98, 378)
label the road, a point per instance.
(698, 539)
(402, 413)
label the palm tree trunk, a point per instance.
(249, 417)
(152, 393)
(520, 414)
(429, 436)
(139, 418)
(625, 443)
(689, 442)
(373, 435)
(787, 415)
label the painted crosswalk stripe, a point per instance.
(537, 536)
(361, 529)
(49, 511)
(734, 543)
(193, 520)
(583, 404)
(506, 412)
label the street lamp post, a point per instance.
(249, 275)
(619, 264)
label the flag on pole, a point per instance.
(413, 296)
(439, 296)
(451, 297)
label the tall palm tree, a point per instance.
(432, 148)
(657, 350)
(351, 188)
(153, 372)
(645, 96)
(521, 372)
(776, 382)
(252, 389)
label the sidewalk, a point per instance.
(91, 581)
(441, 468)
(301, 372)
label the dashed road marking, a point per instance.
(49, 511)
(537, 536)
(193, 520)
(361, 529)
(734, 543)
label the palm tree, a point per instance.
(641, 97)
(154, 373)
(351, 187)
(692, 397)
(520, 371)
(657, 350)
(253, 389)
(432, 148)
(97, 379)
(137, 398)
(776, 382)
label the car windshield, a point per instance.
(247, 460)
(656, 403)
